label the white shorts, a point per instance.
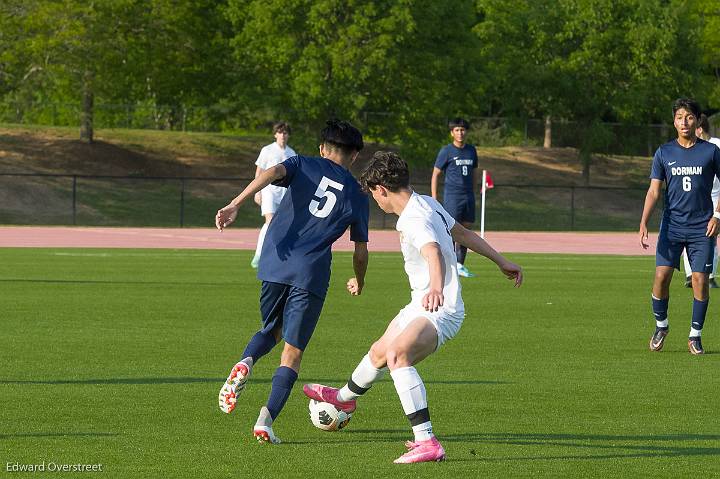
(271, 197)
(447, 325)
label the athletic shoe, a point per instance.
(422, 451)
(695, 346)
(464, 272)
(322, 393)
(255, 261)
(688, 281)
(264, 434)
(658, 339)
(234, 385)
(713, 283)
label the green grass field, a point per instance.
(116, 357)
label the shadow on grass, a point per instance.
(190, 380)
(597, 446)
(57, 434)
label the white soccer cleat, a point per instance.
(233, 387)
(264, 434)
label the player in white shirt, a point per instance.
(702, 131)
(435, 312)
(270, 196)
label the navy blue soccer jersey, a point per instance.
(688, 174)
(323, 199)
(457, 165)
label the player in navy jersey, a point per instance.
(323, 199)
(459, 162)
(688, 166)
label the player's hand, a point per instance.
(512, 271)
(258, 198)
(226, 216)
(432, 300)
(644, 237)
(712, 228)
(354, 287)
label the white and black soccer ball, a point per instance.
(327, 417)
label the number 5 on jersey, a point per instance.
(323, 192)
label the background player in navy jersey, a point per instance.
(436, 310)
(322, 201)
(459, 162)
(688, 166)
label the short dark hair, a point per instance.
(458, 122)
(688, 104)
(704, 123)
(386, 169)
(341, 134)
(282, 127)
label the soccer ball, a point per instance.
(327, 417)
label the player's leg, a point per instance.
(272, 302)
(417, 341)
(268, 207)
(300, 316)
(688, 270)
(713, 282)
(372, 368)
(667, 259)
(701, 253)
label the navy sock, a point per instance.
(259, 345)
(699, 310)
(282, 383)
(460, 252)
(660, 308)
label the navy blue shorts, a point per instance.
(700, 250)
(297, 310)
(460, 207)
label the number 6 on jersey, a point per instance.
(322, 191)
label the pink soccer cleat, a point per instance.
(322, 393)
(234, 385)
(422, 451)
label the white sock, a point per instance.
(248, 362)
(662, 324)
(364, 376)
(264, 419)
(413, 397)
(261, 239)
(695, 333)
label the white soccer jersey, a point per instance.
(424, 221)
(272, 155)
(715, 193)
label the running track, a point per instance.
(380, 240)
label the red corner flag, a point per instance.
(488, 181)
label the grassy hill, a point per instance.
(535, 185)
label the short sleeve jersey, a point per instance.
(688, 174)
(457, 165)
(272, 155)
(323, 199)
(425, 221)
(716, 184)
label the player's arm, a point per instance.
(471, 240)
(651, 198)
(258, 197)
(360, 263)
(434, 181)
(226, 215)
(433, 299)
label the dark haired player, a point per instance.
(688, 166)
(436, 310)
(323, 199)
(459, 162)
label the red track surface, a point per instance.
(380, 240)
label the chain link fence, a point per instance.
(192, 202)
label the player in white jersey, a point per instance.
(435, 312)
(703, 131)
(270, 196)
